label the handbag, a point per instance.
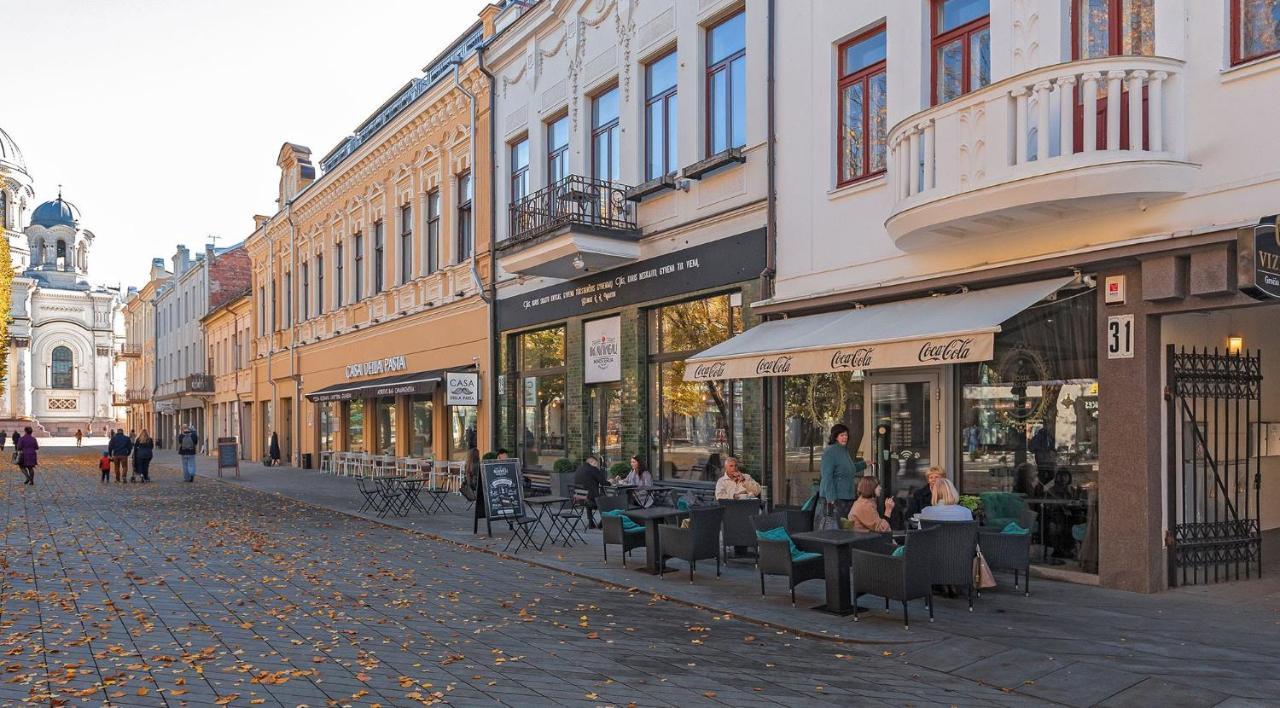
(824, 520)
(983, 579)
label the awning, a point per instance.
(950, 329)
(397, 385)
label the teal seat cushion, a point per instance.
(899, 551)
(628, 526)
(682, 504)
(1078, 531)
(780, 534)
(1013, 527)
(1001, 507)
(810, 503)
(803, 556)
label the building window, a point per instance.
(557, 149)
(338, 285)
(357, 265)
(62, 369)
(864, 122)
(319, 284)
(288, 299)
(275, 305)
(262, 310)
(605, 134)
(727, 84)
(306, 293)
(386, 413)
(1105, 28)
(1255, 29)
(406, 244)
(379, 256)
(961, 47)
(519, 169)
(464, 217)
(811, 405)
(660, 117)
(541, 363)
(328, 425)
(462, 431)
(355, 426)
(433, 231)
(420, 422)
(694, 425)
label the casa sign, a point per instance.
(860, 357)
(376, 367)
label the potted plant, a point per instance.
(562, 476)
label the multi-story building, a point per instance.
(228, 336)
(183, 381)
(139, 349)
(631, 163)
(1016, 240)
(371, 331)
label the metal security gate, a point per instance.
(1214, 483)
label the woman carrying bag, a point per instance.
(143, 451)
(839, 472)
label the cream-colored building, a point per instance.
(139, 350)
(228, 336)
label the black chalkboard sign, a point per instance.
(503, 488)
(228, 455)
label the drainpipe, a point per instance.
(770, 389)
(296, 443)
(494, 365)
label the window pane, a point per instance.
(695, 423)
(864, 53)
(386, 426)
(719, 106)
(694, 325)
(542, 435)
(62, 365)
(853, 133)
(979, 59)
(615, 153)
(543, 349)
(558, 134)
(1259, 27)
(878, 113)
(673, 131)
(950, 70)
(738, 110)
(1140, 29)
(605, 108)
(600, 152)
(420, 411)
(726, 38)
(520, 155)
(462, 431)
(655, 127)
(661, 75)
(953, 13)
(355, 426)
(1094, 30)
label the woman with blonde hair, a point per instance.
(945, 504)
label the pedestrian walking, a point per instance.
(120, 448)
(4, 438)
(79, 438)
(16, 438)
(25, 452)
(188, 443)
(275, 449)
(143, 451)
(104, 466)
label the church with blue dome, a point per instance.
(65, 372)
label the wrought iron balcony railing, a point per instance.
(573, 202)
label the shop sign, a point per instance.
(603, 350)
(862, 357)
(376, 366)
(722, 262)
(1115, 287)
(531, 391)
(462, 389)
(1258, 252)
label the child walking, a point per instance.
(104, 466)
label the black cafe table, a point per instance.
(836, 559)
(546, 517)
(651, 518)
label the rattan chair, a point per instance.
(775, 556)
(611, 530)
(959, 547)
(1008, 551)
(738, 515)
(700, 541)
(903, 578)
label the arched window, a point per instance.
(62, 368)
(61, 256)
(4, 209)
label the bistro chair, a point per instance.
(904, 577)
(738, 516)
(775, 556)
(373, 500)
(698, 542)
(615, 531)
(1008, 551)
(958, 547)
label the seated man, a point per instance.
(734, 484)
(591, 478)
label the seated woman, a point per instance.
(863, 513)
(638, 477)
(946, 504)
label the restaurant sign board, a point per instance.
(503, 488)
(603, 347)
(1258, 253)
(462, 388)
(375, 367)
(959, 349)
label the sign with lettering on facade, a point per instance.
(1120, 337)
(721, 262)
(199, 383)
(1258, 253)
(603, 350)
(962, 349)
(375, 367)
(462, 388)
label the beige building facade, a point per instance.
(228, 336)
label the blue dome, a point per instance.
(55, 213)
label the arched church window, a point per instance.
(62, 254)
(4, 209)
(61, 370)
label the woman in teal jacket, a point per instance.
(839, 473)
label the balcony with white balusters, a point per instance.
(1038, 147)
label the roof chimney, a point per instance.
(157, 268)
(296, 171)
(181, 260)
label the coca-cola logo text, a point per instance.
(953, 350)
(705, 372)
(859, 358)
(773, 366)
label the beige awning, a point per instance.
(950, 329)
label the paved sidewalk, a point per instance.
(1072, 644)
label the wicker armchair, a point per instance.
(615, 502)
(698, 542)
(903, 578)
(738, 514)
(612, 532)
(1008, 551)
(775, 557)
(958, 548)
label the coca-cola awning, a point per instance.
(949, 329)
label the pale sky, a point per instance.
(162, 119)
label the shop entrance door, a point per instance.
(605, 423)
(905, 429)
(1214, 475)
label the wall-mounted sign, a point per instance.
(376, 367)
(462, 388)
(885, 355)
(1258, 254)
(531, 391)
(1115, 286)
(722, 262)
(199, 383)
(603, 350)
(1120, 337)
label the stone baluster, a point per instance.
(1042, 119)
(1066, 115)
(1020, 125)
(1115, 79)
(1136, 126)
(1089, 119)
(1155, 109)
(930, 154)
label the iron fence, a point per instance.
(572, 201)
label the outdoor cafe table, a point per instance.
(836, 559)
(545, 519)
(652, 517)
(659, 493)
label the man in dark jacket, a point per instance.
(591, 478)
(120, 448)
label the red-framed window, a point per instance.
(727, 84)
(961, 47)
(1108, 28)
(861, 92)
(1255, 29)
(660, 116)
(606, 135)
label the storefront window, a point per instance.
(1028, 425)
(462, 431)
(695, 425)
(606, 423)
(386, 426)
(420, 419)
(328, 426)
(355, 426)
(541, 435)
(812, 404)
(266, 427)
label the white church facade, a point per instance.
(65, 334)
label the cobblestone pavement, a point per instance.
(173, 594)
